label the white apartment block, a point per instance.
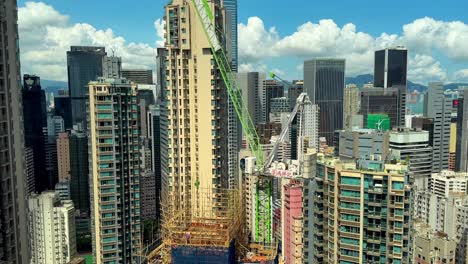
(51, 229)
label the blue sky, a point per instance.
(134, 21)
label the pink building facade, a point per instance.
(292, 223)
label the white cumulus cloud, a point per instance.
(46, 35)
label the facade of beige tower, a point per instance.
(194, 114)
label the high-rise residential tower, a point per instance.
(114, 151)
(194, 114)
(52, 229)
(13, 220)
(324, 82)
(439, 109)
(35, 123)
(111, 67)
(84, 65)
(390, 67)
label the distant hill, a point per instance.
(360, 80)
(51, 86)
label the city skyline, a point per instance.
(434, 37)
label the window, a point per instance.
(397, 185)
(350, 181)
(347, 193)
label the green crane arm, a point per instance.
(207, 20)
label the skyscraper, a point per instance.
(79, 183)
(35, 123)
(63, 156)
(438, 108)
(84, 65)
(138, 76)
(461, 159)
(388, 101)
(154, 125)
(390, 67)
(195, 119)
(350, 105)
(324, 81)
(114, 171)
(251, 83)
(271, 89)
(13, 220)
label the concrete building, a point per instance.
(138, 76)
(361, 213)
(251, 83)
(390, 67)
(439, 109)
(84, 64)
(351, 104)
(51, 229)
(111, 67)
(461, 163)
(62, 189)
(63, 156)
(294, 91)
(292, 219)
(13, 225)
(362, 144)
(412, 147)
(114, 152)
(279, 105)
(432, 247)
(324, 82)
(444, 207)
(55, 125)
(195, 147)
(154, 125)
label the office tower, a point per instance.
(294, 91)
(52, 229)
(250, 84)
(311, 126)
(350, 104)
(114, 170)
(79, 171)
(62, 189)
(324, 81)
(231, 27)
(390, 67)
(279, 105)
(361, 212)
(29, 164)
(412, 147)
(138, 76)
(148, 199)
(145, 99)
(84, 64)
(111, 67)
(13, 220)
(387, 101)
(51, 161)
(35, 122)
(63, 156)
(362, 144)
(439, 109)
(292, 223)
(55, 125)
(271, 89)
(195, 147)
(444, 208)
(62, 107)
(461, 160)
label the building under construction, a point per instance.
(207, 236)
